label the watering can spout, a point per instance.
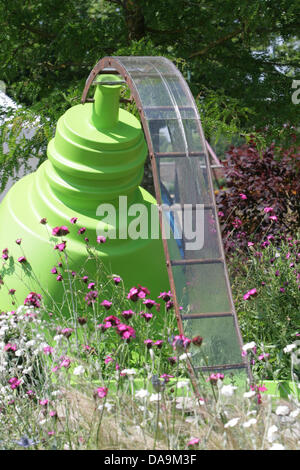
(105, 114)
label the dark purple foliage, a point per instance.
(268, 180)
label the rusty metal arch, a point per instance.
(121, 66)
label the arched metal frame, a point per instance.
(180, 109)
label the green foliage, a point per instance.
(48, 44)
(223, 119)
(18, 143)
(239, 58)
(270, 318)
(61, 396)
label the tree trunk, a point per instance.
(134, 19)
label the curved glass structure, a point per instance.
(184, 190)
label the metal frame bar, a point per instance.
(191, 316)
(242, 365)
(120, 82)
(180, 262)
(179, 155)
(188, 207)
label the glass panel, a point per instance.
(220, 344)
(182, 136)
(193, 228)
(160, 86)
(184, 103)
(173, 122)
(153, 93)
(167, 136)
(186, 179)
(201, 288)
(174, 84)
(193, 138)
(164, 66)
(160, 113)
(137, 65)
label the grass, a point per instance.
(270, 318)
(61, 400)
(109, 381)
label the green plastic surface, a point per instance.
(97, 154)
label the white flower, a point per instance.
(3, 330)
(228, 390)
(249, 423)
(57, 393)
(192, 420)
(58, 338)
(152, 355)
(155, 397)
(251, 413)
(79, 370)
(182, 383)
(277, 255)
(184, 402)
(184, 356)
(249, 346)
(232, 423)
(295, 413)
(250, 394)
(107, 405)
(141, 393)
(289, 348)
(19, 352)
(272, 434)
(9, 397)
(128, 371)
(277, 446)
(30, 343)
(282, 410)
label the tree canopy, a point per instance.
(240, 57)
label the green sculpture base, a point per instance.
(135, 261)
